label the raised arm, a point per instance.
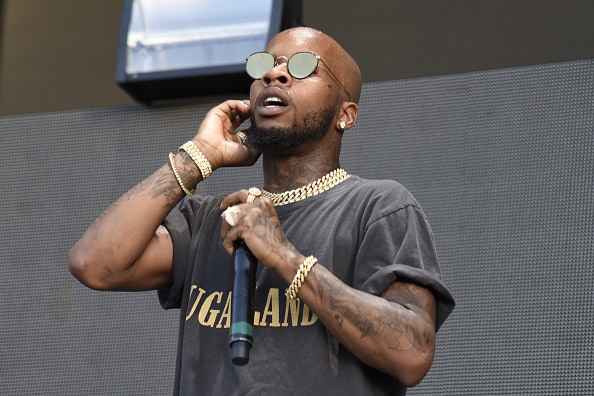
(126, 248)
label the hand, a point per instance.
(216, 136)
(257, 223)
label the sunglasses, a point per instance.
(300, 65)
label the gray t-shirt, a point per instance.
(369, 233)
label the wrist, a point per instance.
(210, 153)
(185, 171)
(200, 160)
(304, 268)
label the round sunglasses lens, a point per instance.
(258, 64)
(302, 64)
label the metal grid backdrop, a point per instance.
(502, 162)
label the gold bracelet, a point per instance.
(178, 177)
(299, 278)
(199, 159)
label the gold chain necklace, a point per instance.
(324, 183)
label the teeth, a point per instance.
(273, 101)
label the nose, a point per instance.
(279, 73)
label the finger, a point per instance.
(235, 106)
(225, 227)
(233, 226)
(235, 198)
(253, 194)
(242, 137)
(228, 115)
(236, 111)
(231, 215)
(229, 239)
(230, 218)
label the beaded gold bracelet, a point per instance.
(199, 159)
(299, 278)
(178, 177)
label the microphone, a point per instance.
(242, 304)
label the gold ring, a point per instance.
(231, 215)
(253, 193)
(242, 136)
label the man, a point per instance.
(364, 295)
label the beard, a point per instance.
(314, 126)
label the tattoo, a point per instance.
(402, 321)
(271, 233)
(188, 170)
(158, 184)
(161, 183)
(300, 175)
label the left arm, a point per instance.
(393, 332)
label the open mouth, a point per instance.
(273, 97)
(273, 101)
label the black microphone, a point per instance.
(242, 304)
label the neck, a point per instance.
(287, 173)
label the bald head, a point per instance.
(336, 58)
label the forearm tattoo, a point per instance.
(159, 184)
(401, 322)
(162, 183)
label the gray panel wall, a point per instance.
(502, 161)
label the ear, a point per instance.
(348, 115)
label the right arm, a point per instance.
(126, 248)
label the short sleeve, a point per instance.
(176, 224)
(399, 245)
(195, 215)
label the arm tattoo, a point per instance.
(401, 321)
(158, 184)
